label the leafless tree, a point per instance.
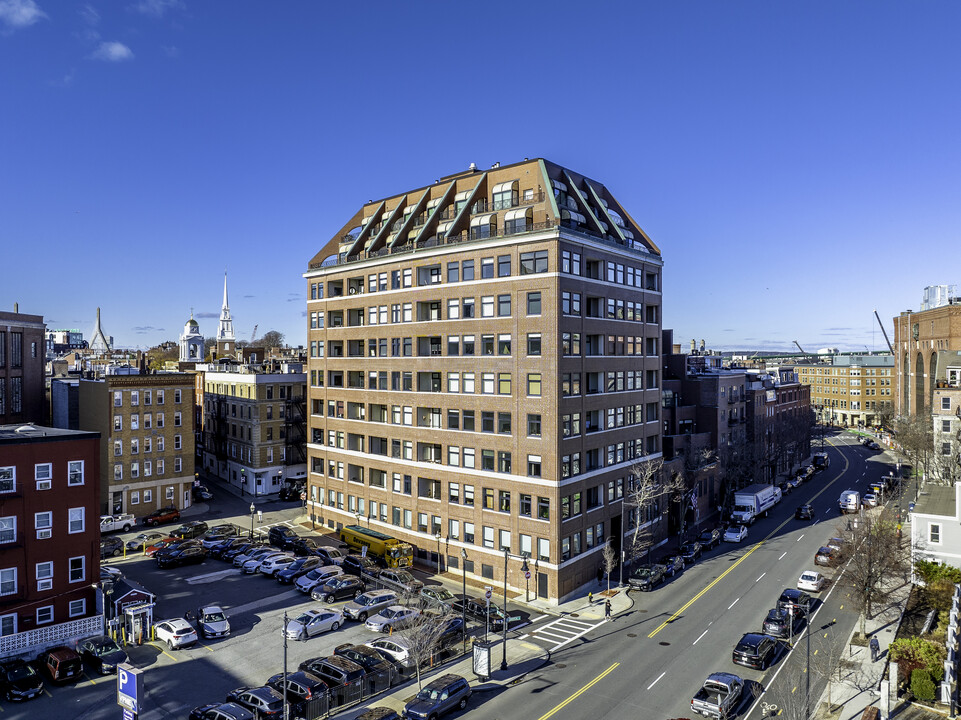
(738, 460)
(876, 555)
(825, 659)
(699, 462)
(915, 438)
(643, 495)
(884, 414)
(609, 560)
(422, 637)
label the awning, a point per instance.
(482, 219)
(603, 225)
(575, 216)
(517, 214)
(505, 187)
(433, 203)
(386, 214)
(603, 202)
(462, 196)
(618, 220)
(559, 185)
(628, 234)
(442, 227)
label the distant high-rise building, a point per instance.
(226, 343)
(936, 296)
(484, 372)
(22, 364)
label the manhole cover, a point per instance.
(573, 615)
(632, 634)
(665, 644)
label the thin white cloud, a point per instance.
(90, 15)
(156, 8)
(65, 79)
(112, 52)
(20, 13)
(171, 50)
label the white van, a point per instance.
(849, 502)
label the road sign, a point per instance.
(129, 687)
(488, 594)
(528, 575)
(513, 618)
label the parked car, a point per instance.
(218, 534)
(800, 601)
(450, 632)
(755, 650)
(259, 558)
(297, 569)
(673, 565)
(159, 545)
(19, 680)
(182, 555)
(400, 580)
(873, 446)
(339, 587)
(710, 539)
(367, 657)
(439, 697)
(272, 565)
(313, 622)
(719, 696)
(254, 551)
(281, 536)
(299, 687)
(690, 552)
(836, 543)
(102, 654)
(869, 499)
(437, 596)
(804, 512)
(336, 671)
(177, 633)
(391, 618)
(735, 533)
(221, 549)
(110, 546)
(330, 555)
(200, 493)
(212, 622)
(174, 544)
(292, 491)
(359, 565)
(369, 603)
(794, 482)
(61, 664)
(163, 515)
(811, 580)
(320, 576)
(826, 556)
(221, 711)
(778, 623)
(379, 713)
(646, 577)
(263, 702)
(481, 610)
(301, 545)
(395, 650)
(246, 548)
(144, 540)
(190, 530)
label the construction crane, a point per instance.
(803, 354)
(253, 335)
(884, 331)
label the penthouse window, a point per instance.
(483, 226)
(518, 221)
(505, 195)
(534, 262)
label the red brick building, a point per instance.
(49, 537)
(22, 358)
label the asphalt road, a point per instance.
(650, 662)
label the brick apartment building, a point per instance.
(49, 537)
(925, 343)
(146, 422)
(484, 371)
(22, 362)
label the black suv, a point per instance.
(281, 536)
(191, 529)
(345, 677)
(300, 566)
(439, 697)
(182, 555)
(799, 600)
(690, 551)
(710, 539)
(19, 680)
(778, 623)
(647, 577)
(359, 565)
(804, 512)
(302, 545)
(755, 651)
(480, 610)
(368, 658)
(340, 588)
(300, 687)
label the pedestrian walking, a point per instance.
(607, 609)
(875, 649)
(600, 575)
(590, 597)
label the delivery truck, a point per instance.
(754, 502)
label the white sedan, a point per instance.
(811, 580)
(393, 648)
(177, 633)
(255, 563)
(735, 534)
(394, 617)
(870, 500)
(313, 622)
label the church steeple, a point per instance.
(225, 331)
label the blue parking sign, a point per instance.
(129, 687)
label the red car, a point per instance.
(159, 545)
(163, 515)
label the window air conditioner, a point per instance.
(44, 584)
(44, 534)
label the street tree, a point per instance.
(644, 493)
(915, 437)
(824, 658)
(422, 637)
(738, 460)
(271, 338)
(609, 561)
(698, 462)
(877, 558)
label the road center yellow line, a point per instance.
(744, 557)
(580, 692)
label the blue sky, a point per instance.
(797, 163)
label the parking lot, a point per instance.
(178, 680)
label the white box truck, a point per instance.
(849, 502)
(753, 502)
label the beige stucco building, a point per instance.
(484, 371)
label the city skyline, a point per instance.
(780, 156)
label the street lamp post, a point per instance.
(252, 511)
(504, 622)
(463, 606)
(437, 538)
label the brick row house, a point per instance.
(22, 363)
(49, 537)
